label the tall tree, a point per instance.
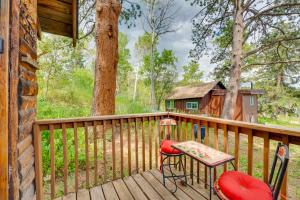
(251, 21)
(192, 73)
(131, 10)
(159, 18)
(164, 72)
(124, 67)
(143, 48)
(107, 56)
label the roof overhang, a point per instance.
(59, 17)
(252, 92)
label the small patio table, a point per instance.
(206, 155)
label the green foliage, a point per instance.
(124, 67)
(192, 73)
(164, 73)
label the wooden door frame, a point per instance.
(4, 82)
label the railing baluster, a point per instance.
(266, 157)
(129, 148)
(143, 145)
(225, 132)
(76, 156)
(95, 153)
(150, 142)
(52, 161)
(38, 162)
(104, 149)
(121, 148)
(156, 142)
(237, 148)
(206, 142)
(136, 145)
(65, 159)
(191, 159)
(185, 138)
(113, 149)
(216, 146)
(87, 159)
(198, 140)
(180, 134)
(283, 192)
(250, 152)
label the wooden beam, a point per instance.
(56, 27)
(14, 50)
(4, 60)
(75, 21)
(266, 157)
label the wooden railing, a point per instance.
(117, 146)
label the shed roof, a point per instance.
(59, 17)
(193, 91)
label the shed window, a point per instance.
(170, 104)
(192, 105)
(251, 100)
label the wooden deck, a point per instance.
(147, 185)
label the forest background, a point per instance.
(66, 75)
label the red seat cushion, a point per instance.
(166, 147)
(239, 186)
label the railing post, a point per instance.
(250, 152)
(237, 148)
(266, 157)
(38, 162)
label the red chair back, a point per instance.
(167, 126)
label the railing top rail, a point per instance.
(259, 127)
(98, 118)
(253, 126)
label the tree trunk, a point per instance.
(152, 85)
(107, 16)
(135, 83)
(279, 81)
(236, 60)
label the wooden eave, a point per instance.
(252, 92)
(59, 17)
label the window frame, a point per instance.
(192, 104)
(251, 101)
(168, 104)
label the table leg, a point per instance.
(210, 182)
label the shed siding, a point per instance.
(212, 104)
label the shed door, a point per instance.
(4, 35)
(216, 105)
(249, 108)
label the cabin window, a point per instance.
(192, 105)
(251, 100)
(170, 104)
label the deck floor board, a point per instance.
(147, 185)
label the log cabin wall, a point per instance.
(23, 98)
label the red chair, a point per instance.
(234, 185)
(167, 152)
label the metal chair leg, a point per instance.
(173, 175)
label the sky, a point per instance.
(180, 41)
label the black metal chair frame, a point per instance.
(169, 164)
(173, 176)
(274, 184)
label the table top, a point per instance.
(202, 153)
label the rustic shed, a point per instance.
(208, 99)
(21, 23)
